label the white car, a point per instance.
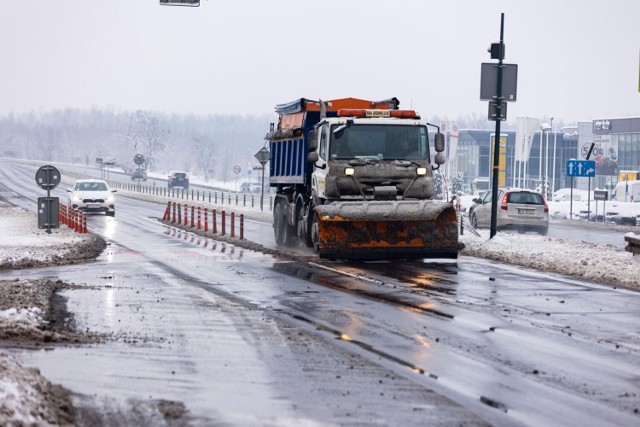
(93, 195)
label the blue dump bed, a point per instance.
(288, 163)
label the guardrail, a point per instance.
(633, 244)
(198, 195)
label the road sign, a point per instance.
(237, 169)
(600, 195)
(138, 159)
(263, 155)
(489, 81)
(493, 110)
(48, 177)
(582, 168)
(48, 212)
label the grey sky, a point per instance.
(578, 59)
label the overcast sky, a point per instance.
(577, 59)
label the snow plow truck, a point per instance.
(354, 180)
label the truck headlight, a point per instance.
(349, 171)
(421, 171)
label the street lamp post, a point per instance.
(553, 179)
(544, 128)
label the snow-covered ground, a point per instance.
(23, 401)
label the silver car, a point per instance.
(92, 195)
(521, 210)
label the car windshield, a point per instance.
(180, 175)
(525, 198)
(91, 186)
(380, 142)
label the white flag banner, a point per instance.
(453, 143)
(525, 130)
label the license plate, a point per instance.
(93, 206)
(526, 211)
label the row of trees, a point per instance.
(207, 146)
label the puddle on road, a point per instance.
(335, 280)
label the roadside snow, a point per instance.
(24, 392)
(600, 263)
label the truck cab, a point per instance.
(372, 157)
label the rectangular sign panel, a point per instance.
(583, 168)
(489, 81)
(600, 195)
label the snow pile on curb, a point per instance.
(600, 263)
(28, 399)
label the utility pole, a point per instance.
(496, 142)
(498, 86)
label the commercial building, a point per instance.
(616, 148)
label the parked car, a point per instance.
(178, 179)
(251, 187)
(475, 203)
(623, 213)
(139, 174)
(521, 210)
(92, 195)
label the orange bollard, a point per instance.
(165, 217)
(223, 223)
(233, 224)
(241, 226)
(206, 220)
(174, 212)
(74, 220)
(186, 213)
(199, 223)
(214, 223)
(192, 215)
(84, 222)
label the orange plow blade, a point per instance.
(403, 229)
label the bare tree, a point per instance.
(145, 134)
(203, 153)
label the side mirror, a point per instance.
(69, 190)
(313, 157)
(440, 158)
(477, 200)
(313, 140)
(439, 143)
(114, 191)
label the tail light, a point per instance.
(546, 207)
(503, 203)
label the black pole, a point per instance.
(571, 201)
(496, 143)
(262, 195)
(589, 202)
(48, 204)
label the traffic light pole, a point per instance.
(496, 144)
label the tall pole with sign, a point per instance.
(263, 157)
(498, 85)
(48, 177)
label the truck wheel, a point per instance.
(313, 233)
(474, 221)
(289, 234)
(278, 223)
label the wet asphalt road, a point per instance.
(248, 339)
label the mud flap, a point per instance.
(374, 230)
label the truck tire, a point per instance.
(278, 223)
(289, 234)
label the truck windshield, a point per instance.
(382, 142)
